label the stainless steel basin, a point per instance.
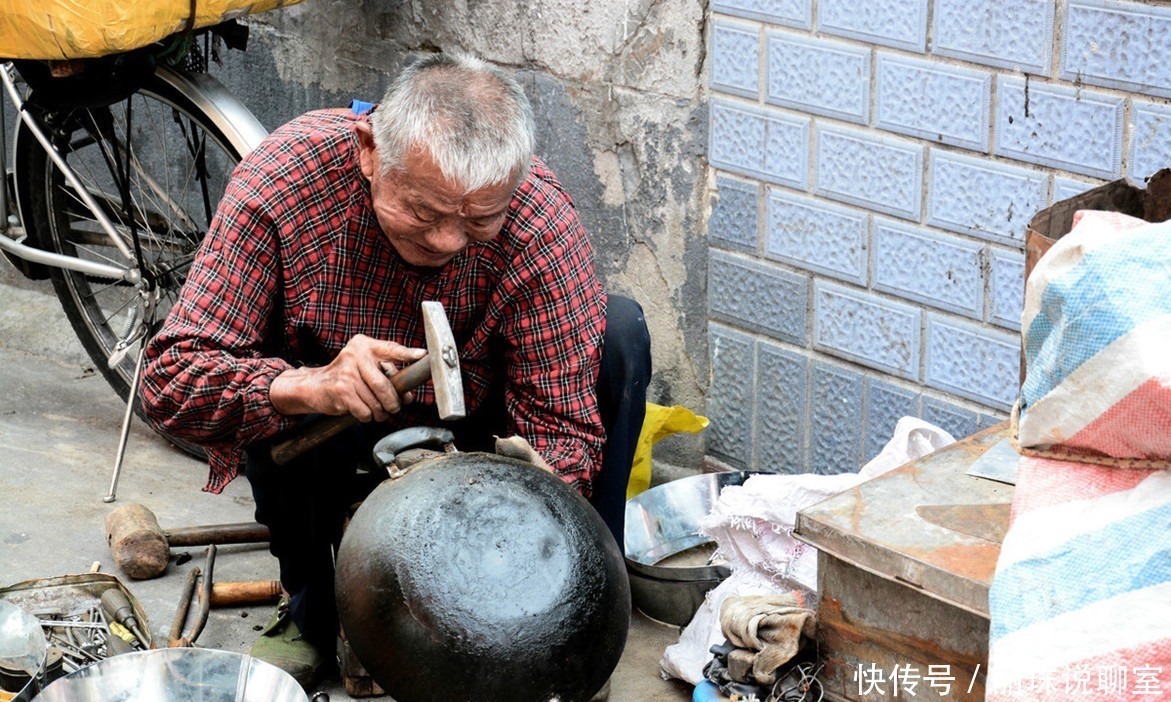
(669, 575)
(174, 674)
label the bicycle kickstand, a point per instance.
(126, 419)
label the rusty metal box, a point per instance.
(904, 565)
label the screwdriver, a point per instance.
(118, 609)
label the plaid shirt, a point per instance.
(295, 265)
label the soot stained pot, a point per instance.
(478, 577)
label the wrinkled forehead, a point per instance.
(426, 186)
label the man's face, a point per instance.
(426, 218)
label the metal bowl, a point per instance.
(22, 652)
(176, 675)
(665, 554)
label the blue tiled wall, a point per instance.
(876, 164)
(758, 296)
(924, 99)
(936, 270)
(817, 235)
(1060, 126)
(869, 169)
(1118, 45)
(830, 78)
(1011, 34)
(735, 58)
(898, 23)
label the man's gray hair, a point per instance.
(472, 118)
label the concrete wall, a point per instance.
(876, 165)
(617, 87)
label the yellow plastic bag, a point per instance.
(660, 422)
(74, 29)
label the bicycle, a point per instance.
(117, 171)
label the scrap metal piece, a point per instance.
(998, 463)
(984, 521)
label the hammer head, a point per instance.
(444, 362)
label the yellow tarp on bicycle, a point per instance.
(72, 29)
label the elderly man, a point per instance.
(307, 293)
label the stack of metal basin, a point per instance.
(668, 561)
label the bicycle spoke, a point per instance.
(100, 291)
(156, 231)
(112, 314)
(199, 156)
(145, 176)
(160, 192)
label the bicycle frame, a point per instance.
(215, 105)
(239, 126)
(16, 246)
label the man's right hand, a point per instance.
(357, 382)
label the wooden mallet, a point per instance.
(141, 548)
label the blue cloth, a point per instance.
(361, 107)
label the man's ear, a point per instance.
(367, 158)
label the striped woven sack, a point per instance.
(1081, 601)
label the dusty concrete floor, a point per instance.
(59, 424)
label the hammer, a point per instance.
(141, 548)
(441, 365)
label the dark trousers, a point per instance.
(304, 503)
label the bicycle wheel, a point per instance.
(163, 180)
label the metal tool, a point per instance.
(86, 636)
(440, 365)
(177, 639)
(998, 463)
(213, 594)
(142, 548)
(119, 610)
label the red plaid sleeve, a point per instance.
(553, 331)
(207, 374)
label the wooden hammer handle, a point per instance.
(323, 429)
(245, 593)
(243, 533)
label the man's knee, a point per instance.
(627, 346)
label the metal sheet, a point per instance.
(998, 463)
(877, 526)
(988, 522)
